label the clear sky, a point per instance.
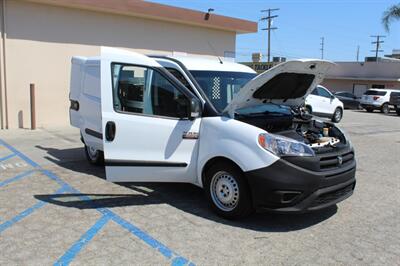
(301, 24)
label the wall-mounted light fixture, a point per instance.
(208, 14)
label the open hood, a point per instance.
(288, 84)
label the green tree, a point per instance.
(392, 13)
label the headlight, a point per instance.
(282, 146)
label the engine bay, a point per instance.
(294, 123)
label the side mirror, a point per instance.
(195, 108)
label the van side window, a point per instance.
(178, 75)
(145, 91)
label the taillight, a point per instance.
(376, 98)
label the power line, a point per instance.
(377, 45)
(269, 28)
(322, 47)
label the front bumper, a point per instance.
(301, 184)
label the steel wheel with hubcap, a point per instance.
(227, 191)
(224, 191)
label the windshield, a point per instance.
(220, 87)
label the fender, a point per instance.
(226, 137)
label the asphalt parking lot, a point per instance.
(58, 209)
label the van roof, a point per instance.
(376, 89)
(208, 63)
(85, 60)
(199, 63)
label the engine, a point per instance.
(293, 123)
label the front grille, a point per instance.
(332, 196)
(336, 161)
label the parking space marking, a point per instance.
(19, 154)
(7, 157)
(82, 242)
(87, 236)
(25, 213)
(16, 178)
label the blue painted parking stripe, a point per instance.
(164, 250)
(20, 154)
(82, 242)
(16, 178)
(7, 157)
(25, 213)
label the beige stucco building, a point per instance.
(39, 37)
(357, 77)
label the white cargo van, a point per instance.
(242, 137)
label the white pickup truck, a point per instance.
(215, 124)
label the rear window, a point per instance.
(373, 92)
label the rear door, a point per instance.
(147, 133)
(327, 106)
(315, 101)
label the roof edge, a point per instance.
(138, 8)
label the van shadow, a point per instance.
(185, 197)
(72, 159)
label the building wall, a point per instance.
(356, 86)
(41, 40)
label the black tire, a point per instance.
(385, 109)
(228, 180)
(369, 110)
(398, 111)
(95, 157)
(337, 115)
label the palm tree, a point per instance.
(393, 13)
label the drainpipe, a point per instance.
(3, 76)
(1, 70)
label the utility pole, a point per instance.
(358, 52)
(269, 28)
(322, 47)
(377, 45)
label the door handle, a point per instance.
(110, 131)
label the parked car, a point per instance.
(349, 100)
(395, 101)
(243, 138)
(321, 102)
(376, 99)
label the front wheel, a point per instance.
(227, 191)
(337, 115)
(369, 109)
(94, 156)
(385, 108)
(398, 111)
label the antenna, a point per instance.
(215, 52)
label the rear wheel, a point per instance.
(398, 111)
(227, 191)
(94, 156)
(337, 115)
(385, 108)
(369, 109)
